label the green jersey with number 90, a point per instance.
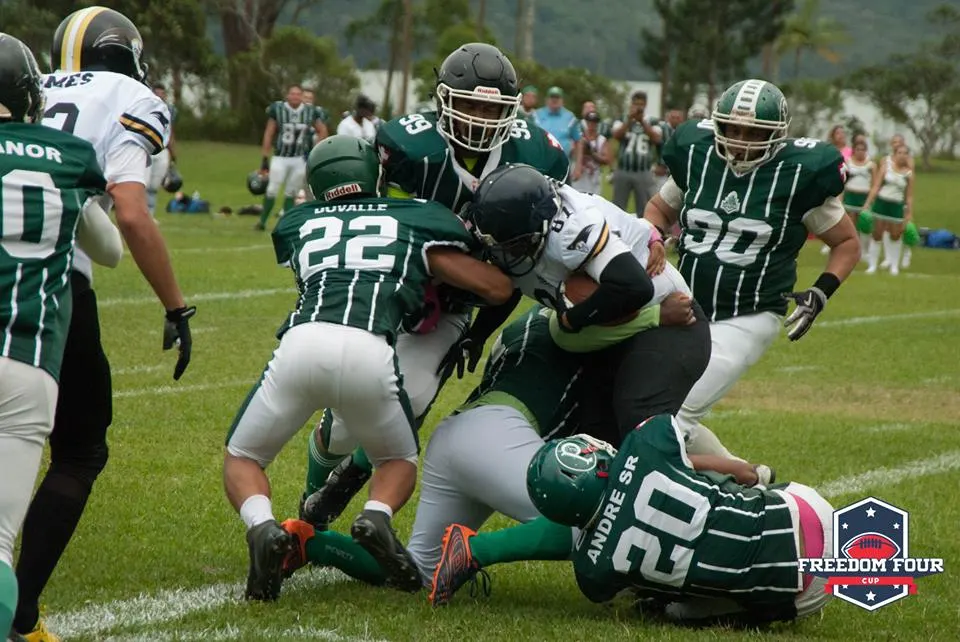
(418, 161)
(666, 529)
(741, 234)
(363, 262)
(46, 177)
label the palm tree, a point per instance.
(807, 30)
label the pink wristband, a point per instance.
(654, 237)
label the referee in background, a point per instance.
(637, 156)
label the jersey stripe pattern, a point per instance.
(527, 371)
(668, 530)
(636, 153)
(45, 179)
(741, 234)
(363, 263)
(295, 128)
(133, 124)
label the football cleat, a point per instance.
(456, 567)
(372, 530)
(301, 532)
(269, 546)
(325, 505)
(40, 633)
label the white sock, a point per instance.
(865, 240)
(907, 255)
(895, 248)
(373, 504)
(887, 250)
(256, 510)
(873, 253)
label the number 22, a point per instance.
(315, 255)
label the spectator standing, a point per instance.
(360, 123)
(528, 103)
(596, 154)
(564, 126)
(637, 155)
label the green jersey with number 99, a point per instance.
(363, 262)
(418, 161)
(46, 177)
(741, 234)
(668, 530)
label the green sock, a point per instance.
(8, 597)
(333, 549)
(319, 465)
(268, 202)
(540, 539)
(287, 204)
(360, 460)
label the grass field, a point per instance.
(868, 403)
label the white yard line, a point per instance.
(232, 632)
(137, 369)
(943, 463)
(207, 250)
(883, 318)
(197, 298)
(896, 427)
(176, 389)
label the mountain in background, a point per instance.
(604, 35)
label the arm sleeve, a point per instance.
(625, 287)
(598, 337)
(146, 123)
(671, 193)
(97, 235)
(127, 162)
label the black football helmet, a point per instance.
(172, 181)
(477, 97)
(21, 99)
(98, 39)
(257, 183)
(510, 215)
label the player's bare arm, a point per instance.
(743, 472)
(320, 128)
(844, 248)
(908, 199)
(461, 270)
(266, 145)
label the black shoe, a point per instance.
(372, 530)
(324, 506)
(269, 545)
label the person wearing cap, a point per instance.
(563, 125)
(360, 124)
(528, 103)
(639, 141)
(596, 154)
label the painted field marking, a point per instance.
(943, 463)
(204, 296)
(175, 389)
(883, 318)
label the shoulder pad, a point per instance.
(148, 122)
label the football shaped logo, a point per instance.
(871, 546)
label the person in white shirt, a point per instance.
(360, 124)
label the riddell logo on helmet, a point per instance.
(343, 190)
(490, 91)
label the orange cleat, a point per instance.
(301, 532)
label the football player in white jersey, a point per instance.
(97, 93)
(540, 231)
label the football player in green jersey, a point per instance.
(696, 531)
(746, 196)
(289, 133)
(361, 263)
(442, 156)
(47, 183)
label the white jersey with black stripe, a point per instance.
(110, 111)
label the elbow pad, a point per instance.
(625, 287)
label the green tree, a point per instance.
(579, 85)
(813, 105)
(807, 30)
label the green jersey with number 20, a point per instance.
(668, 530)
(418, 161)
(363, 262)
(741, 234)
(46, 177)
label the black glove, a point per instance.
(176, 330)
(810, 303)
(464, 354)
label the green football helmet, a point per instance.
(342, 166)
(760, 109)
(567, 479)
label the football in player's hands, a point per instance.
(579, 287)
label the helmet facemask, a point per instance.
(472, 131)
(755, 144)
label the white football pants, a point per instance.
(326, 365)
(475, 465)
(736, 344)
(289, 171)
(28, 400)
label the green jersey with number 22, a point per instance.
(363, 262)
(666, 529)
(741, 234)
(46, 177)
(418, 161)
